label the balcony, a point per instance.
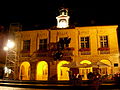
(67, 52)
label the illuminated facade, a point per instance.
(43, 52)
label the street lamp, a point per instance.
(10, 44)
(10, 58)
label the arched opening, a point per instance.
(62, 72)
(105, 70)
(25, 71)
(63, 23)
(85, 71)
(42, 71)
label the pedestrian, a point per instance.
(74, 80)
(78, 79)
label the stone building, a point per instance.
(42, 53)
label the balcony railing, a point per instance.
(50, 53)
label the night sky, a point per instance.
(43, 13)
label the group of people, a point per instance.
(116, 77)
(93, 76)
(76, 78)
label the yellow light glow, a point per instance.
(108, 69)
(25, 71)
(85, 71)
(42, 71)
(85, 61)
(62, 72)
(106, 62)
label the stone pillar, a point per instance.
(52, 71)
(33, 71)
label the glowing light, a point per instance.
(85, 71)
(62, 72)
(5, 48)
(106, 62)
(10, 44)
(25, 67)
(7, 70)
(63, 24)
(42, 71)
(85, 61)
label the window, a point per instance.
(103, 41)
(85, 46)
(104, 47)
(61, 43)
(64, 42)
(26, 45)
(115, 64)
(43, 44)
(85, 42)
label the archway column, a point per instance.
(52, 71)
(33, 71)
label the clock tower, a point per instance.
(63, 18)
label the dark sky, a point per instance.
(44, 12)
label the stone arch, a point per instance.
(25, 71)
(85, 62)
(42, 71)
(106, 61)
(62, 72)
(106, 70)
(85, 71)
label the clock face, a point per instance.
(63, 23)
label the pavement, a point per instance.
(108, 84)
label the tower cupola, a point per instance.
(63, 18)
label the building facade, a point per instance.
(42, 53)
